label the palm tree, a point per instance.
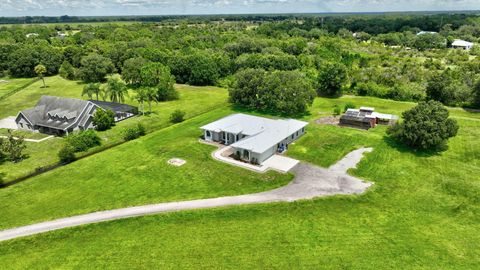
(41, 70)
(146, 94)
(91, 89)
(141, 97)
(116, 90)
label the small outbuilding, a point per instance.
(366, 118)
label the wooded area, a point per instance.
(376, 55)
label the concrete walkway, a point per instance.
(310, 182)
(32, 140)
(276, 162)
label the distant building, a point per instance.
(29, 35)
(426, 32)
(366, 118)
(61, 35)
(462, 44)
(60, 116)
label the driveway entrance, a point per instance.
(8, 123)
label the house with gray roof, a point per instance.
(61, 116)
(254, 139)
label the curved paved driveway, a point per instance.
(310, 182)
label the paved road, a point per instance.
(310, 182)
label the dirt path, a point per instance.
(310, 182)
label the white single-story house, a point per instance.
(462, 44)
(254, 139)
(60, 116)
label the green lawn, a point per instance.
(29, 96)
(134, 173)
(193, 100)
(12, 84)
(24, 134)
(422, 213)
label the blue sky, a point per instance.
(161, 7)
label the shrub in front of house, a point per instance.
(83, 140)
(133, 133)
(177, 116)
(103, 119)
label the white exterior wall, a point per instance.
(214, 136)
(261, 157)
(265, 155)
(289, 139)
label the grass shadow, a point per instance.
(2, 178)
(407, 149)
(471, 110)
(241, 109)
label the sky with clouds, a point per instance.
(162, 7)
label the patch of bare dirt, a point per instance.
(329, 120)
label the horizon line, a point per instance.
(253, 13)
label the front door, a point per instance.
(246, 155)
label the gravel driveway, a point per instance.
(310, 182)
(8, 122)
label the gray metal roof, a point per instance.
(263, 133)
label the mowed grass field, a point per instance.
(8, 85)
(134, 173)
(422, 213)
(193, 101)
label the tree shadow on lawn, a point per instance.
(407, 149)
(471, 110)
(2, 178)
(241, 109)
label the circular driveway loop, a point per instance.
(310, 182)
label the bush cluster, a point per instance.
(103, 119)
(84, 140)
(177, 116)
(67, 154)
(133, 133)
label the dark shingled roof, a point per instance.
(113, 106)
(66, 109)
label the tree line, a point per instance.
(151, 57)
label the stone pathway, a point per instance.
(310, 182)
